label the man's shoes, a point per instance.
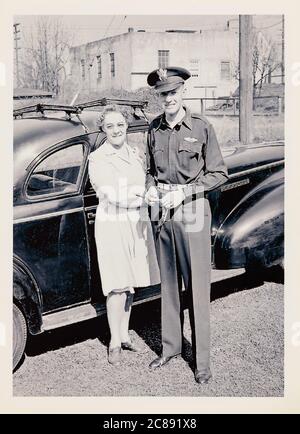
(159, 362)
(202, 377)
(114, 356)
(130, 346)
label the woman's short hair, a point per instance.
(114, 108)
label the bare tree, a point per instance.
(46, 55)
(265, 60)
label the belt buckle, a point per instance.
(170, 187)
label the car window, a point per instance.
(57, 173)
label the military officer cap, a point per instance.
(166, 79)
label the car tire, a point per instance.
(19, 335)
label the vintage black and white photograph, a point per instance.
(148, 223)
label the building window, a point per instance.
(163, 58)
(112, 64)
(225, 70)
(99, 66)
(194, 67)
(82, 69)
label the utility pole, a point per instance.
(246, 79)
(17, 38)
(282, 51)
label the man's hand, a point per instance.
(173, 199)
(151, 197)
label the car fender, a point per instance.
(252, 234)
(26, 293)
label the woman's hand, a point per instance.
(151, 197)
(172, 199)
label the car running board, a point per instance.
(88, 311)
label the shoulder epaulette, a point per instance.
(201, 117)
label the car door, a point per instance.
(50, 233)
(136, 137)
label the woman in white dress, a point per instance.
(125, 245)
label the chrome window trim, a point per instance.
(256, 169)
(47, 215)
(47, 153)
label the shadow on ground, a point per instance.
(145, 320)
(249, 279)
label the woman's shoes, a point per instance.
(130, 346)
(114, 356)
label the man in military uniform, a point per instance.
(183, 162)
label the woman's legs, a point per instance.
(118, 305)
(115, 305)
(124, 326)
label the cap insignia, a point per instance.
(162, 74)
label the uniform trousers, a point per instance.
(184, 252)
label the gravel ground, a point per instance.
(247, 352)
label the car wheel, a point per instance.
(19, 335)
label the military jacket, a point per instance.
(187, 154)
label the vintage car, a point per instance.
(56, 280)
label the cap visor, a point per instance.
(168, 86)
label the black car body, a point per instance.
(56, 276)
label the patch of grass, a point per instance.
(265, 128)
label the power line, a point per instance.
(109, 25)
(268, 27)
(119, 27)
(160, 28)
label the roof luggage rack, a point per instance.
(77, 109)
(105, 101)
(41, 108)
